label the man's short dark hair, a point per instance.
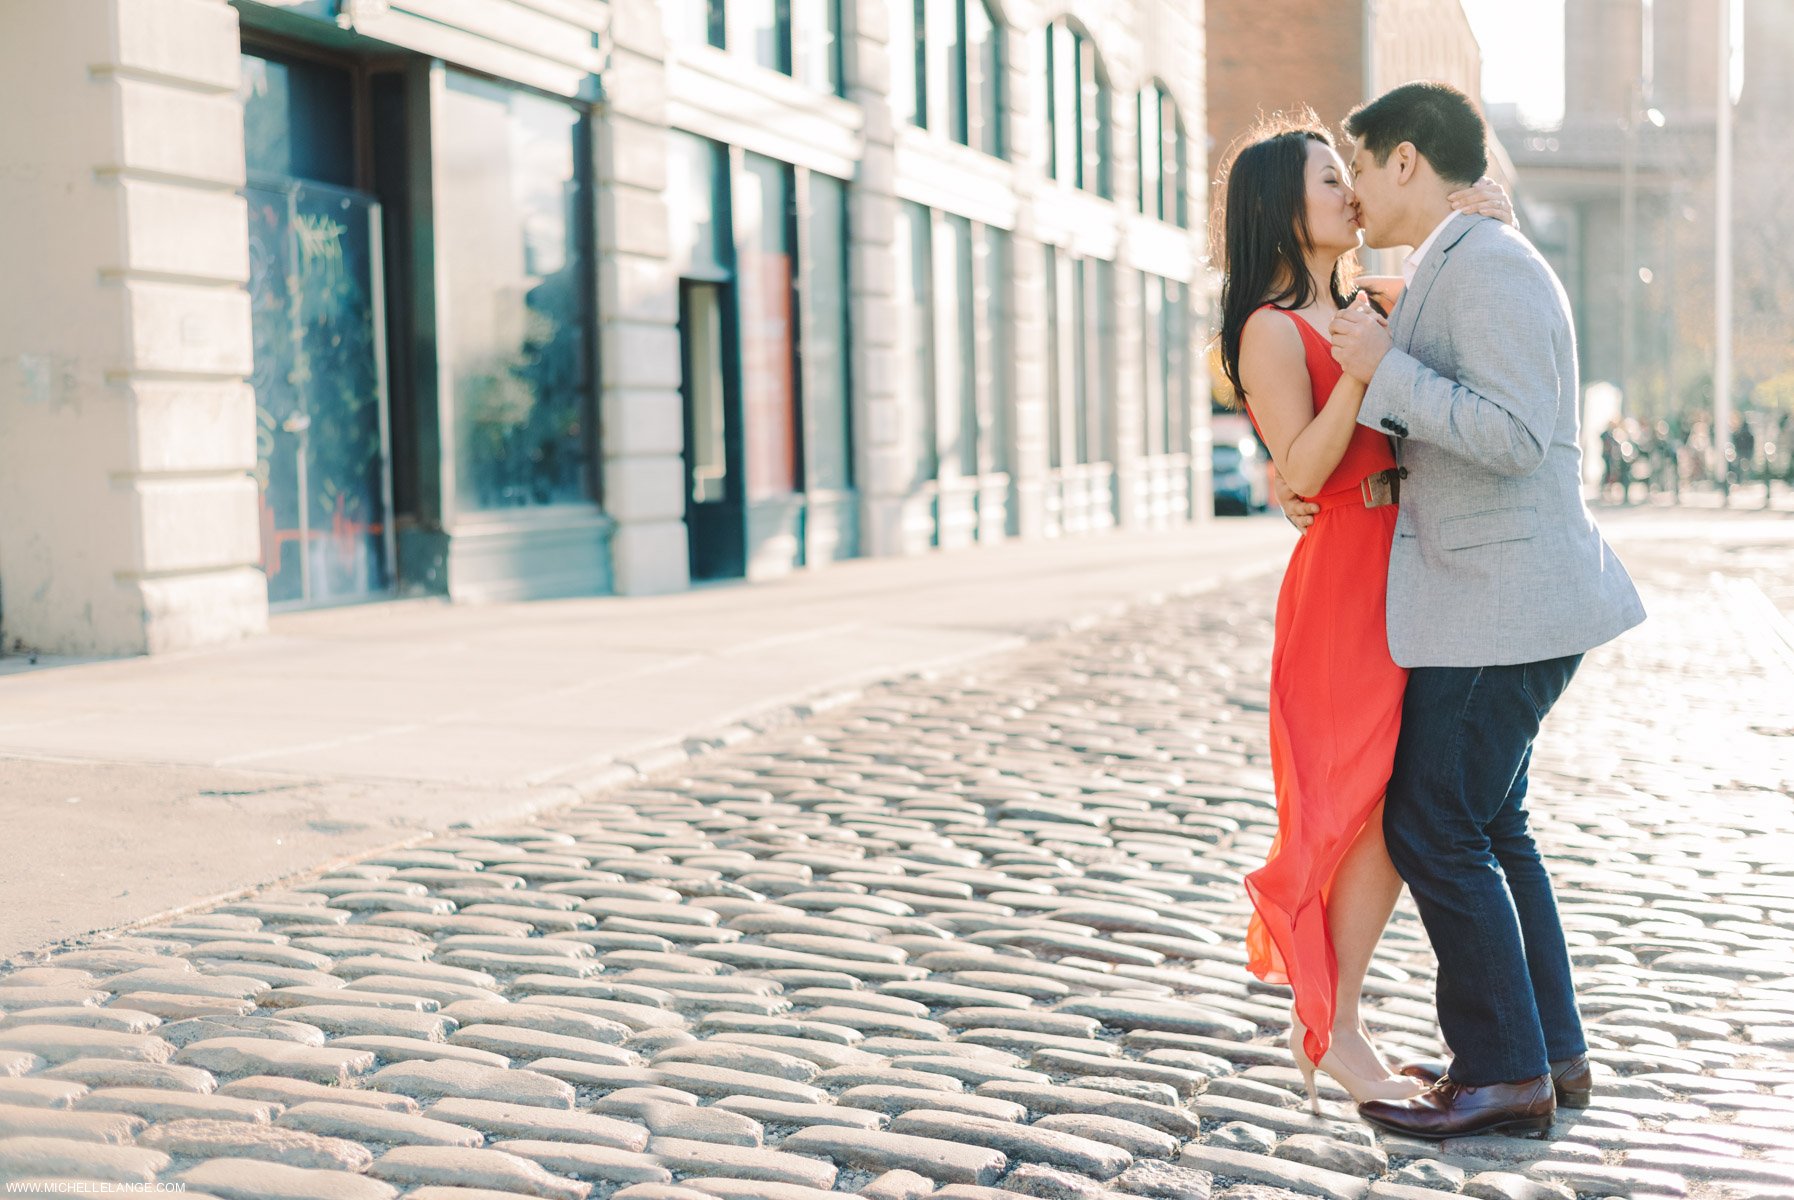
(1442, 122)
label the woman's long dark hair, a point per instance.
(1265, 236)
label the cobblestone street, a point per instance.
(970, 936)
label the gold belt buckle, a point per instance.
(1379, 489)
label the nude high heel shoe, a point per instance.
(1360, 1089)
(1304, 1064)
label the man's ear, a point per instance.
(1407, 162)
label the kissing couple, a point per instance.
(1447, 584)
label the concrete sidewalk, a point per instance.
(132, 787)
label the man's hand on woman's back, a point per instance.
(1300, 512)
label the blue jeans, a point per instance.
(1455, 824)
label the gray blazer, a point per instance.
(1497, 559)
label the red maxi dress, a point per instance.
(1336, 702)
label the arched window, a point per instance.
(800, 38)
(947, 70)
(818, 51)
(1164, 157)
(1079, 111)
(909, 61)
(976, 78)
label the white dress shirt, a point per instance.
(1411, 264)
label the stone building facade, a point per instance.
(321, 301)
(1267, 56)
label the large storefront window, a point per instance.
(697, 197)
(315, 288)
(1077, 316)
(953, 349)
(768, 435)
(515, 308)
(1100, 328)
(1174, 367)
(829, 428)
(1152, 366)
(959, 416)
(1060, 374)
(994, 301)
(768, 347)
(703, 249)
(915, 335)
(1081, 327)
(703, 252)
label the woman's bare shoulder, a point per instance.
(1270, 339)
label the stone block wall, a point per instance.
(127, 428)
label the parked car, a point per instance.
(1241, 475)
(1233, 491)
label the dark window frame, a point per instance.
(920, 7)
(968, 72)
(1090, 97)
(1170, 201)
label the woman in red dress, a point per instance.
(1327, 890)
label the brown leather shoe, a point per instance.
(1573, 1078)
(1449, 1109)
(1574, 1081)
(1427, 1070)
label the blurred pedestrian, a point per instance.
(1644, 465)
(1697, 451)
(1778, 451)
(1613, 459)
(1666, 460)
(1785, 439)
(1636, 454)
(1744, 448)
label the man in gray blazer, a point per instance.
(1498, 583)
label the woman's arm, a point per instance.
(1484, 198)
(1305, 445)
